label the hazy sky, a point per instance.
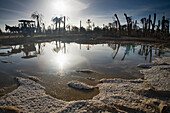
(99, 11)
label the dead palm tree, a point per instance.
(93, 25)
(143, 21)
(129, 23)
(118, 23)
(149, 23)
(39, 17)
(153, 25)
(68, 27)
(89, 24)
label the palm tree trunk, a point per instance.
(64, 23)
(118, 24)
(56, 25)
(59, 25)
(163, 24)
(38, 25)
(149, 23)
(153, 25)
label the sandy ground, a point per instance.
(150, 94)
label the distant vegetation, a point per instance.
(149, 27)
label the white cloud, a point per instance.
(11, 10)
(19, 3)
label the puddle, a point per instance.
(56, 63)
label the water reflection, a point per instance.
(61, 58)
(129, 48)
(32, 50)
(28, 50)
(116, 47)
(147, 51)
(88, 47)
(59, 47)
(55, 63)
(11, 50)
(57, 56)
(15, 50)
(143, 50)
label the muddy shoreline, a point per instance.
(149, 94)
(80, 39)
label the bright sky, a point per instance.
(99, 11)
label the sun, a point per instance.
(60, 6)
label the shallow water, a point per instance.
(55, 63)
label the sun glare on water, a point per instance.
(61, 60)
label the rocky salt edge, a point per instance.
(116, 95)
(80, 85)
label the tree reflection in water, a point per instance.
(144, 50)
(29, 50)
(59, 47)
(33, 49)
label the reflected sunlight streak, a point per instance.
(61, 61)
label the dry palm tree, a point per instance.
(93, 25)
(89, 24)
(55, 20)
(68, 27)
(110, 25)
(118, 23)
(154, 21)
(148, 24)
(60, 21)
(39, 17)
(143, 21)
(129, 23)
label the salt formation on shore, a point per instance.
(150, 95)
(79, 85)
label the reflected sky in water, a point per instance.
(56, 57)
(55, 63)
